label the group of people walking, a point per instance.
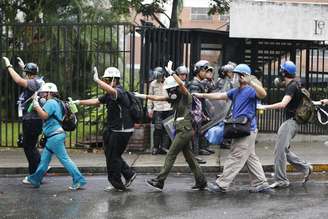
(170, 94)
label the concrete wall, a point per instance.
(279, 20)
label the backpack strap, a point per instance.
(62, 109)
(319, 116)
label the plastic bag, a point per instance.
(215, 134)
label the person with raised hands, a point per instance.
(181, 100)
(242, 150)
(52, 113)
(32, 124)
(119, 127)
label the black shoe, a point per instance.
(161, 151)
(200, 161)
(210, 151)
(213, 187)
(156, 184)
(200, 186)
(129, 181)
(203, 152)
(224, 146)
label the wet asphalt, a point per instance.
(54, 200)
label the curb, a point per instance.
(150, 169)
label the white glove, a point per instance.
(36, 101)
(20, 63)
(95, 74)
(76, 102)
(169, 67)
(7, 62)
(260, 106)
(139, 95)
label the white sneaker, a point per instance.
(109, 188)
(279, 184)
(307, 174)
(26, 181)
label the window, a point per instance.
(200, 14)
(224, 17)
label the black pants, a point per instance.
(161, 138)
(114, 145)
(31, 131)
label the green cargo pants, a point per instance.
(181, 143)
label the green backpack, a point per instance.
(305, 110)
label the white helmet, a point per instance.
(112, 72)
(170, 82)
(48, 87)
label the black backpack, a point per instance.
(135, 108)
(69, 122)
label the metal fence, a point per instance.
(65, 54)
(312, 69)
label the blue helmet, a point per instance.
(242, 69)
(289, 67)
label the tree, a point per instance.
(123, 7)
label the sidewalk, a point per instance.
(13, 161)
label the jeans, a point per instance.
(286, 133)
(56, 145)
(114, 145)
(31, 130)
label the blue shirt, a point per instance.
(245, 104)
(53, 109)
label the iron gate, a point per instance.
(65, 54)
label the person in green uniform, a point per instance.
(181, 100)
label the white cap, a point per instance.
(112, 72)
(170, 82)
(48, 87)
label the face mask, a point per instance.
(235, 80)
(42, 101)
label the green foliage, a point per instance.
(219, 7)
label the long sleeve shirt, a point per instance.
(156, 88)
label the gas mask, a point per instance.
(280, 80)
(43, 98)
(173, 93)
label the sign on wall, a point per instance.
(278, 20)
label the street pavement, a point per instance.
(53, 200)
(13, 161)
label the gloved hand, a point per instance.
(260, 106)
(95, 74)
(76, 102)
(20, 63)
(7, 62)
(169, 67)
(139, 95)
(246, 78)
(36, 100)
